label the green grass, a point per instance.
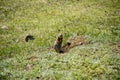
(97, 20)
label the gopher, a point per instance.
(58, 44)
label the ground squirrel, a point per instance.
(77, 40)
(58, 44)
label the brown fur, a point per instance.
(58, 44)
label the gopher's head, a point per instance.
(60, 38)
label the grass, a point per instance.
(97, 20)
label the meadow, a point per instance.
(97, 20)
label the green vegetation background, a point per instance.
(97, 20)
